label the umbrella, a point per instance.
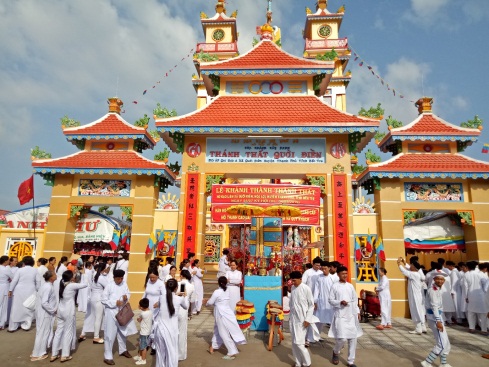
(245, 210)
(282, 211)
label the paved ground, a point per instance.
(394, 347)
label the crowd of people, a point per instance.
(97, 287)
(320, 297)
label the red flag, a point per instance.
(26, 191)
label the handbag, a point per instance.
(30, 302)
(125, 314)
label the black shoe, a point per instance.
(153, 351)
(126, 354)
(110, 362)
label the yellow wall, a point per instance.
(6, 233)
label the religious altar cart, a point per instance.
(265, 238)
(369, 305)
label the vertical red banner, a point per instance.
(190, 214)
(340, 218)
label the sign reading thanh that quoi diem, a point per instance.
(270, 150)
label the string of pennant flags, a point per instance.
(358, 59)
(167, 73)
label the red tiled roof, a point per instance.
(111, 159)
(110, 124)
(267, 112)
(266, 55)
(429, 162)
(429, 124)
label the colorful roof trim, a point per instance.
(427, 165)
(109, 127)
(114, 162)
(429, 127)
(266, 58)
(253, 114)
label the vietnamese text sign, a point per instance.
(266, 194)
(340, 218)
(309, 216)
(269, 150)
(190, 216)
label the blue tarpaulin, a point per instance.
(260, 290)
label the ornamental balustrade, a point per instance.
(217, 47)
(340, 43)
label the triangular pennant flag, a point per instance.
(144, 92)
(151, 243)
(361, 64)
(358, 252)
(380, 249)
(115, 240)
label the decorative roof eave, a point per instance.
(148, 140)
(168, 140)
(341, 79)
(197, 130)
(102, 171)
(78, 133)
(389, 139)
(367, 175)
(245, 72)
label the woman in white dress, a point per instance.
(199, 287)
(234, 278)
(95, 308)
(226, 328)
(26, 282)
(171, 275)
(384, 293)
(45, 315)
(84, 294)
(65, 336)
(166, 327)
(154, 289)
(60, 269)
(6, 277)
(41, 268)
(188, 289)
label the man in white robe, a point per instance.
(333, 266)
(462, 306)
(301, 317)
(346, 318)
(416, 307)
(434, 310)
(476, 303)
(309, 278)
(322, 308)
(456, 288)
(114, 296)
(446, 291)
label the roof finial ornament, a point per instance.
(321, 4)
(266, 29)
(269, 12)
(115, 105)
(424, 104)
(221, 7)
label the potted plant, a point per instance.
(378, 137)
(373, 112)
(68, 122)
(163, 112)
(155, 135)
(393, 123)
(372, 157)
(162, 156)
(353, 159)
(476, 123)
(37, 153)
(357, 169)
(142, 122)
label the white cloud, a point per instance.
(429, 13)
(476, 10)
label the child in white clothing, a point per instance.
(146, 321)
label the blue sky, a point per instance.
(66, 57)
